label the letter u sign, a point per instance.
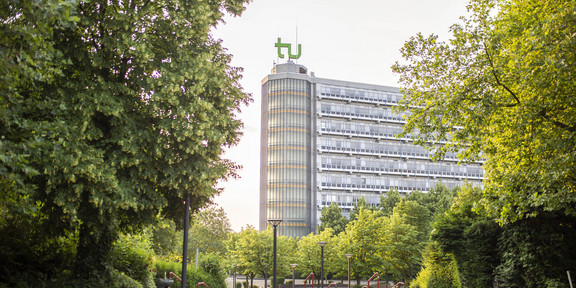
(281, 45)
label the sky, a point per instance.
(355, 41)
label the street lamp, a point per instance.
(293, 275)
(322, 243)
(274, 223)
(265, 276)
(349, 256)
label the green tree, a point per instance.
(331, 217)
(440, 270)
(209, 231)
(537, 252)
(502, 88)
(360, 204)
(389, 201)
(252, 253)
(364, 237)
(406, 235)
(471, 237)
(118, 110)
(307, 254)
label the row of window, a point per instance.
(381, 188)
(360, 95)
(348, 199)
(388, 180)
(360, 129)
(386, 165)
(364, 113)
(288, 156)
(288, 118)
(379, 149)
(288, 138)
(428, 172)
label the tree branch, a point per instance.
(545, 115)
(498, 79)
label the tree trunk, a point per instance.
(95, 240)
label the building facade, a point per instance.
(328, 141)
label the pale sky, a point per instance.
(345, 40)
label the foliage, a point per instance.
(389, 201)
(212, 264)
(112, 110)
(471, 237)
(364, 238)
(193, 276)
(308, 252)
(406, 235)
(440, 270)
(132, 255)
(537, 252)
(166, 238)
(360, 204)
(332, 218)
(506, 80)
(252, 252)
(121, 280)
(209, 231)
(28, 254)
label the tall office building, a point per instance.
(327, 141)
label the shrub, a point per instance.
(133, 256)
(193, 276)
(120, 280)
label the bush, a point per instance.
(440, 270)
(120, 280)
(133, 256)
(193, 276)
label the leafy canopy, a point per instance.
(502, 88)
(110, 111)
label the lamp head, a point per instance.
(274, 222)
(322, 243)
(349, 255)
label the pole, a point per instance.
(322, 266)
(274, 269)
(196, 264)
(293, 277)
(234, 278)
(569, 278)
(265, 277)
(348, 272)
(185, 244)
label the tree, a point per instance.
(209, 231)
(440, 270)
(388, 202)
(537, 252)
(501, 89)
(332, 218)
(406, 236)
(470, 236)
(117, 111)
(360, 204)
(307, 254)
(364, 238)
(252, 253)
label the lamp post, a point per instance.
(322, 243)
(265, 276)
(274, 223)
(185, 240)
(293, 274)
(349, 256)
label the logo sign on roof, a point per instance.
(281, 45)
